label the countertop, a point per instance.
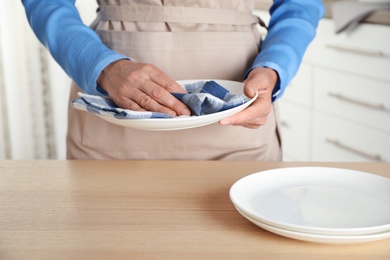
(147, 210)
(379, 17)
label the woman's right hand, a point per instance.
(139, 86)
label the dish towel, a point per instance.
(347, 14)
(203, 98)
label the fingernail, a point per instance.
(225, 122)
(251, 91)
(185, 112)
(171, 113)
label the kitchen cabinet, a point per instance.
(337, 108)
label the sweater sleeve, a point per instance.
(291, 28)
(74, 46)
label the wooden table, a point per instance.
(146, 210)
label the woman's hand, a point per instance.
(139, 86)
(262, 80)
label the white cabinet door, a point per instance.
(300, 89)
(296, 134)
(337, 139)
(364, 51)
(361, 99)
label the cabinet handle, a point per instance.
(376, 106)
(285, 124)
(373, 157)
(374, 53)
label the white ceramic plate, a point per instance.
(317, 238)
(164, 124)
(317, 200)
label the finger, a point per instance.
(137, 100)
(251, 126)
(159, 88)
(165, 99)
(256, 110)
(250, 89)
(151, 97)
(129, 104)
(163, 80)
(146, 102)
(253, 123)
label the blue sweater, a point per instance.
(57, 25)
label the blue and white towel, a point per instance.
(203, 98)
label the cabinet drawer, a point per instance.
(300, 89)
(295, 131)
(335, 139)
(361, 99)
(365, 50)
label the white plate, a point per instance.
(164, 124)
(317, 238)
(318, 200)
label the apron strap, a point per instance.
(175, 14)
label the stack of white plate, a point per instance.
(317, 204)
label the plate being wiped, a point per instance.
(186, 122)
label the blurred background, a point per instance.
(337, 108)
(33, 88)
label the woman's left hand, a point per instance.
(262, 80)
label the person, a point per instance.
(135, 51)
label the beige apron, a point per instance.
(218, 41)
